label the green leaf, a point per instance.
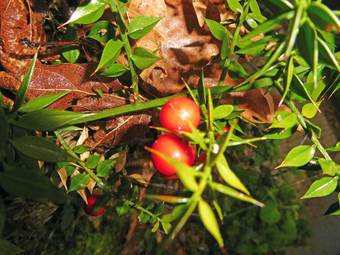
(306, 42)
(333, 210)
(102, 31)
(71, 55)
(6, 247)
(256, 12)
(166, 227)
(168, 198)
(298, 156)
(20, 98)
(270, 214)
(79, 181)
(175, 213)
(282, 134)
(141, 25)
(41, 102)
(114, 70)
(80, 149)
(48, 120)
(209, 221)
(143, 58)
(88, 13)
(309, 110)
(185, 173)
(110, 53)
(322, 187)
(335, 148)
(329, 167)
(40, 148)
(326, 55)
(2, 216)
(234, 193)
(284, 120)
(229, 176)
(92, 161)
(217, 30)
(30, 183)
(222, 111)
(235, 6)
(322, 16)
(105, 167)
(268, 25)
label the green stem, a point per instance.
(79, 161)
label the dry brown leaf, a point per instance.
(63, 177)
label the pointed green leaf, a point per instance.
(268, 25)
(322, 187)
(322, 16)
(327, 56)
(20, 98)
(41, 102)
(40, 148)
(222, 111)
(329, 167)
(228, 175)
(114, 70)
(92, 161)
(209, 221)
(110, 53)
(105, 167)
(71, 56)
(284, 120)
(235, 6)
(309, 110)
(141, 25)
(143, 59)
(87, 13)
(168, 198)
(333, 210)
(335, 148)
(48, 120)
(217, 30)
(79, 181)
(289, 71)
(185, 173)
(305, 42)
(234, 193)
(298, 156)
(102, 31)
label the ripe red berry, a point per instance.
(90, 207)
(178, 113)
(225, 130)
(175, 148)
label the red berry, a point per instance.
(90, 207)
(178, 113)
(225, 130)
(175, 148)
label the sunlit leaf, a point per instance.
(41, 102)
(284, 120)
(228, 175)
(322, 187)
(88, 13)
(142, 58)
(209, 221)
(222, 111)
(298, 156)
(110, 53)
(141, 25)
(309, 110)
(20, 98)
